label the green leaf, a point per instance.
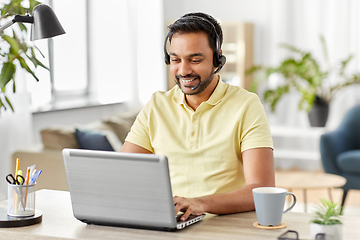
(41, 64)
(9, 103)
(291, 48)
(327, 213)
(2, 105)
(26, 67)
(14, 47)
(7, 73)
(273, 96)
(33, 3)
(344, 64)
(22, 45)
(22, 27)
(14, 86)
(33, 53)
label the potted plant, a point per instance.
(327, 221)
(15, 51)
(303, 73)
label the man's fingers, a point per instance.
(187, 206)
(186, 215)
(180, 204)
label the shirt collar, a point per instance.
(215, 98)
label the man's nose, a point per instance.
(184, 69)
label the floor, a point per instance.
(351, 208)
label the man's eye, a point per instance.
(196, 60)
(175, 60)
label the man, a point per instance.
(215, 135)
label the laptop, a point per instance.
(122, 189)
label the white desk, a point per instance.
(59, 223)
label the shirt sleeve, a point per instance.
(255, 131)
(140, 133)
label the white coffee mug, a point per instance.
(269, 205)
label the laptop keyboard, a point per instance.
(190, 220)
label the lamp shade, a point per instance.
(46, 24)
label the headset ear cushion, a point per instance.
(222, 60)
(216, 60)
(167, 59)
(219, 60)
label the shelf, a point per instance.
(293, 133)
(297, 154)
(310, 132)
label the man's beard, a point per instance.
(200, 88)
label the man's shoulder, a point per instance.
(161, 98)
(239, 92)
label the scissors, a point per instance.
(19, 180)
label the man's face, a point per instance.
(191, 61)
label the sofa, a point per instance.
(106, 134)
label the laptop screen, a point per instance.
(124, 189)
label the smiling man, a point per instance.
(215, 135)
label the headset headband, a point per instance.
(218, 59)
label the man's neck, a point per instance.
(194, 101)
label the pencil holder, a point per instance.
(21, 200)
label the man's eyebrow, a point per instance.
(191, 55)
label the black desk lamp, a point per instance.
(44, 20)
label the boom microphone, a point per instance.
(197, 85)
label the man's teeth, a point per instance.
(186, 81)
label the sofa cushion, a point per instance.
(349, 161)
(97, 140)
(121, 123)
(59, 137)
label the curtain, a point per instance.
(300, 23)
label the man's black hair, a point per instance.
(192, 22)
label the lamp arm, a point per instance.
(6, 25)
(18, 18)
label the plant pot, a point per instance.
(332, 232)
(319, 113)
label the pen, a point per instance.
(36, 175)
(17, 166)
(32, 168)
(27, 183)
(20, 193)
(16, 197)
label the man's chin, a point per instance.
(187, 90)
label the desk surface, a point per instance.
(59, 223)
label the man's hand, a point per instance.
(188, 206)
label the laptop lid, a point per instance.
(124, 189)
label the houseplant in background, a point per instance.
(303, 73)
(327, 221)
(15, 50)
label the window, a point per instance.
(108, 46)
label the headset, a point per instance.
(219, 60)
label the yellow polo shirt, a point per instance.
(203, 147)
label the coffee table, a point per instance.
(308, 181)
